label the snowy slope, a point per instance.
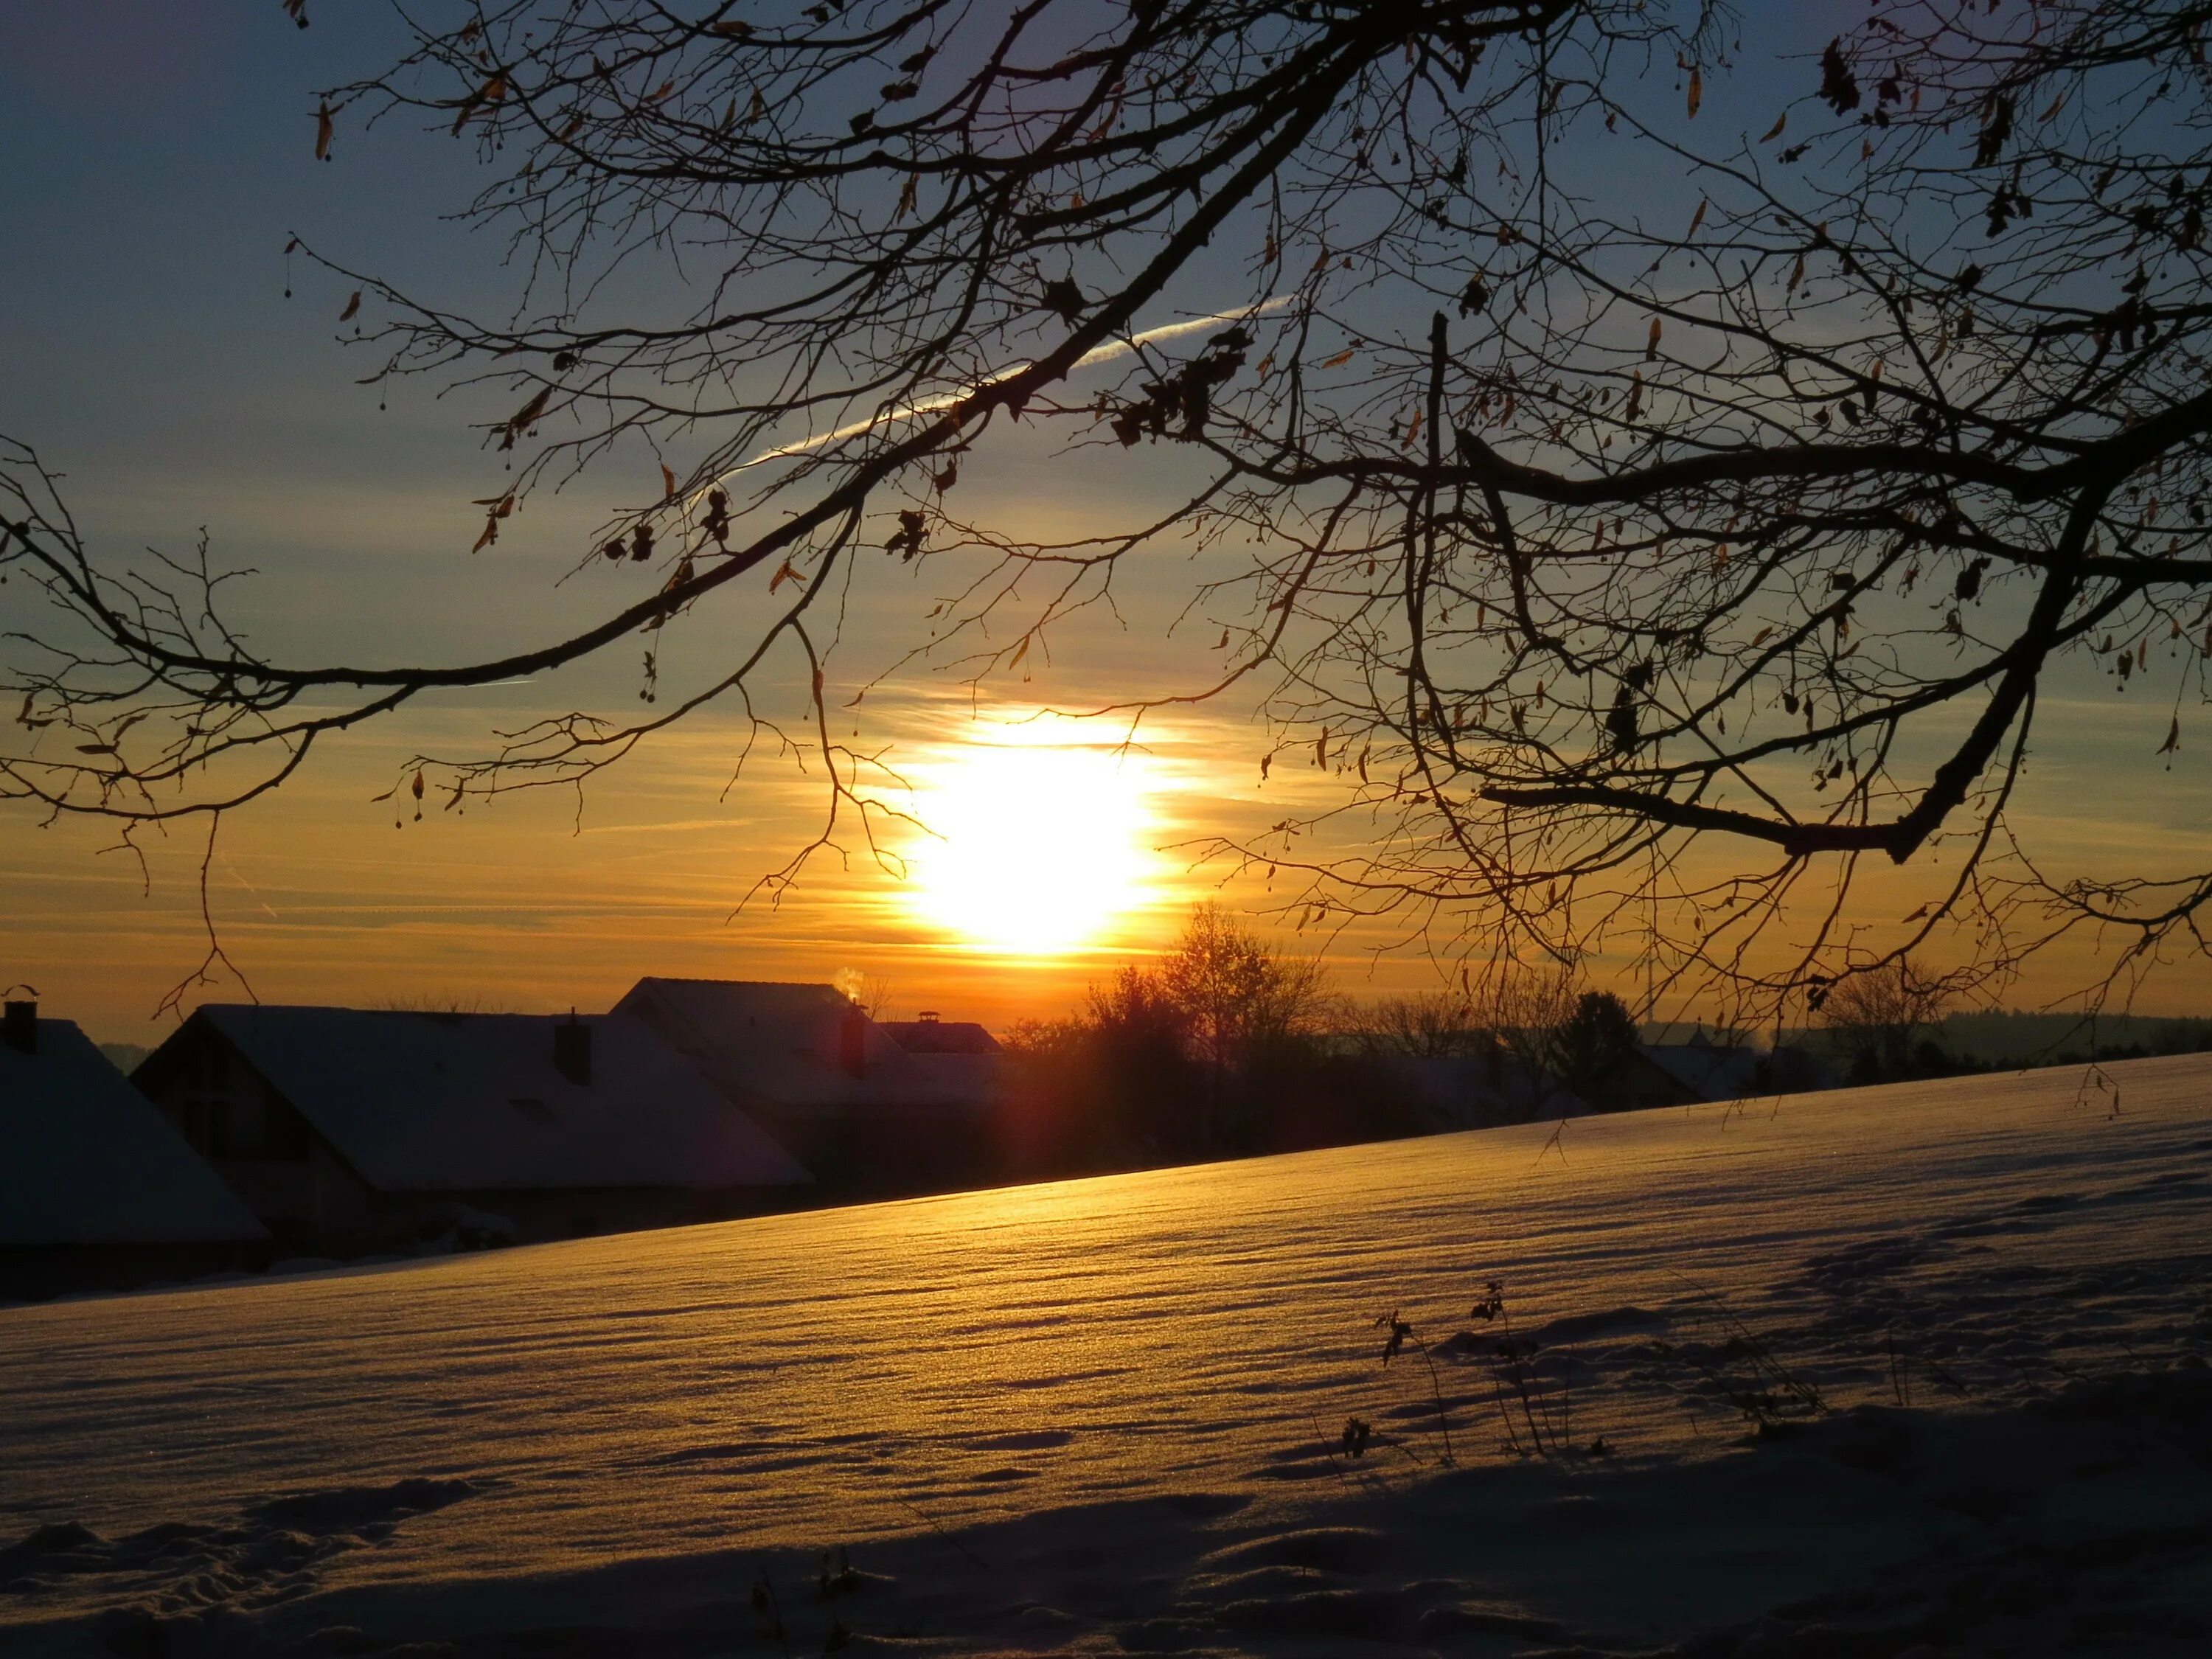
(1150, 1369)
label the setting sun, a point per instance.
(1033, 849)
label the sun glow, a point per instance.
(1034, 849)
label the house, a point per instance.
(1684, 1074)
(347, 1129)
(97, 1189)
(870, 1108)
(1702, 1069)
(1482, 1090)
(957, 1058)
(930, 1033)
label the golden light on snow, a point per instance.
(1033, 848)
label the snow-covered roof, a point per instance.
(87, 1159)
(1706, 1069)
(943, 1079)
(940, 1037)
(451, 1103)
(784, 1044)
(1469, 1092)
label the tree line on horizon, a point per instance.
(1226, 1047)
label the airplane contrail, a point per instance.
(1114, 349)
(1101, 354)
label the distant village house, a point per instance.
(870, 1107)
(97, 1189)
(346, 1130)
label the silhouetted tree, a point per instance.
(1193, 1055)
(1149, 1083)
(1240, 1001)
(1591, 1045)
(1581, 528)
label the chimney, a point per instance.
(853, 1042)
(22, 1027)
(927, 1016)
(572, 1049)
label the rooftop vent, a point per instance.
(21, 1029)
(572, 1049)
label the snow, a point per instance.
(1103, 1416)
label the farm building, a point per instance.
(347, 1129)
(869, 1108)
(97, 1189)
(1701, 1069)
(1480, 1090)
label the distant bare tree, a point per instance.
(1638, 580)
(873, 994)
(1165, 1055)
(1237, 997)
(1433, 1025)
(1512, 1018)
(441, 1002)
(1874, 1018)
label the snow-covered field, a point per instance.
(1106, 1416)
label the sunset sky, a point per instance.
(152, 167)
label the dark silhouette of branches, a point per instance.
(1630, 575)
